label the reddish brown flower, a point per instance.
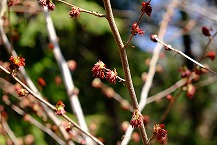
(13, 2)
(135, 29)
(153, 37)
(68, 126)
(137, 119)
(99, 70)
(60, 108)
(199, 71)
(22, 92)
(111, 76)
(146, 8)
(50, 6)
(185, 72)
(159, 131)
(211, 55)
(43, 3)
(47, 3)
(191, 91)
(16, 63)
(206, 31)
(75, 12)
(41, 82)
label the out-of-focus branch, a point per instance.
(51, 106)
(199, 9)
(29, 82)
(29, 118)
(9, 131)
(75, 104)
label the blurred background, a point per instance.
(87, 39)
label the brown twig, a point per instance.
(50, 106)
(83, 10)
(124, 60)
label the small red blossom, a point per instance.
(137, 119)
(50, 6)
(75, 12)
(146, 8)
(191, 89)
(153, 37)
(199, 71)
(41, 82)
(111, 76)
(16, 63)
(135, 29)
(211, 55)
(185, 72)
(99, 70)
(206, 31)
(159, 131)
(22, 92)
(68, 126)
(60, 108)
(169, 97)
(13, 2)
(47, 3)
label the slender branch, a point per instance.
(29, 82)
(51, 106)
(124, 60)
(170, 48)
(9, 131)
(83, 10)
(68, 81)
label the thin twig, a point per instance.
(124, 60)
(68, 81)
(29, 82)
(9, 131)
(83, 10)
(51, 106)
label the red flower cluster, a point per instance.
(191, 91)
(185, 72)
(75, 12)
(146, 8)
(135, 29)
(153, 37)
(211, 55)
(13, 2)
(137, 119)
(22, 92)
(206, 31)
(100, 71)
(16, 63)
(160, 132)
(60, 108)
(47, 3)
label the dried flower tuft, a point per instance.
(160, 132)
(135, 29)
(137, 119)
(206, 31)
(99, 70)
(60, 108)
(16, 63)
(211, 55)
(153, 37)
(75, 12)
(146, 8)
(22, 92)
